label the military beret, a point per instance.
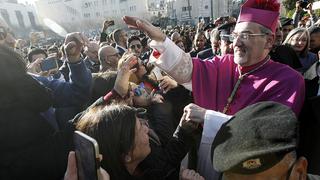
(209, 26)
(226, 29)
(255, 139)
(286, 21)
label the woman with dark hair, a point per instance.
(299, 40)
(124, 141)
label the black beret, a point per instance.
(226, 29)
(209, 26)
(286, 21)
(255, 139)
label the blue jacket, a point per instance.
(69, 98)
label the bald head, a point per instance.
(108, 57)
(92, 51)
(175, 36)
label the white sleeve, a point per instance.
(212, 123)
(172, 60)
(213, 120)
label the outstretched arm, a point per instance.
(166, 55)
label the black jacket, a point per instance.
(310, 122)
(30, 148)
(207, 53)
(286, 55)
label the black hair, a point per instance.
(133, 38)
(114, 129)
(116, 35)
(314, 29)
(35, 51)
(144, 41)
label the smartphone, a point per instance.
(87, 156)
(49, 63)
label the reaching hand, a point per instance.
(71, 173)
(73, 45)
(34, 67)
(124, 72)
(153, 32)
(194, 113)
(167, 84)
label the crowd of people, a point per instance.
(237, 98)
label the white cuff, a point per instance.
(213, 120)
(168, 59)
(173, 60)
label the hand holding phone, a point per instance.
(49, 63)
(87, 156)
(71, 173)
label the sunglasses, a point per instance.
(138, 90)
(135, 45)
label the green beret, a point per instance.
(255, 139)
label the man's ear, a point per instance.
(300, 168)
(270, 41)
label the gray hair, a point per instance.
(265, 30)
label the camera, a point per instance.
(303, 3)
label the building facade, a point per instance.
(20, 17)
(191, 11)
(89, 14)
(188, 11)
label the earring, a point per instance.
(127, 158)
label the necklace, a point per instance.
(241, 77)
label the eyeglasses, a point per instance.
(243, 36)
(227, 37)
(135, 45)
